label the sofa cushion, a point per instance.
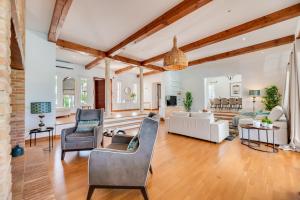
(86, 125)
(181, 114)
(276, 113)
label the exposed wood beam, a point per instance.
(125, 60)
(80, 48)
(253, 25)
(58, 18)
(245, 50)
(124, 69)
(94, 63)
(149, 73)
(179, 11)
(100, 55)
(154, 67)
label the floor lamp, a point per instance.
(254, 94)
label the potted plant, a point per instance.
(188, 100)
(272, 97)
(269, 123)
(264, 121)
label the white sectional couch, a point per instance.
(198, 125)
(279, 120)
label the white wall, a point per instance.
(258, 71)
(127, 80)
(150, 89)
(39, 76)
(77, 72)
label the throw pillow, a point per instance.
(87, 125)
(133, 144)
(276, 113)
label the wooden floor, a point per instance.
(188, 169)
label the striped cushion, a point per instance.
(87, 125)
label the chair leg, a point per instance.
(145, 193)
(62, 154)
(150, 169)
(90, 192)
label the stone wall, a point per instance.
(5, 91)
(17, 124)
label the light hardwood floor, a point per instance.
(188, 169)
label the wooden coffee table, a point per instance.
(256, 145)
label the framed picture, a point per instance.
(236, 89)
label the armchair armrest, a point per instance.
(115, 167)
(121, 139)
(64, 133)
(98, 133)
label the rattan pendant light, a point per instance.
(175, 59)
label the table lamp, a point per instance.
(41, 108)
(254, 94)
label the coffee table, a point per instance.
(256, 145)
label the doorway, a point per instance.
(99, 93)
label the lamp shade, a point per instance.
(175, 59)
(40, 107)
(254, 92)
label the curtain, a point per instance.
(291, 100)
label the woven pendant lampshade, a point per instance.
(175, 59)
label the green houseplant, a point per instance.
(188, 100)
(272, 97)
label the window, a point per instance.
(69, 92)
(56, 102)
(119, 92)
(135, 93)
(83, 91)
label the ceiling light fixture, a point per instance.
(243, 38)
(175, 59)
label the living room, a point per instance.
(192, 99)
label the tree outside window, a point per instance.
(83, 91)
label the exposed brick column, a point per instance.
(5, 109)
(17, 122)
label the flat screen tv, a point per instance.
(171, 100)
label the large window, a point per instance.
(56, 102)
(135, 93)
(83, 91)
(69, 92)
(119, 92)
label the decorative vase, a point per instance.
(17, 151)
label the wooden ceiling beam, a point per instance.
(124, 69)
(58, 18)
(177, 12)
(94, 63)
(149, 73)
(273, 18)
(80, 48)
(245, 50)
(154, 67)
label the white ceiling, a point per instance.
(104, 23)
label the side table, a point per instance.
(250, 143)
(37, 130)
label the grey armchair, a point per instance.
(116, 167)
(76, 141)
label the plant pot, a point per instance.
(270, 125)
(264, 124)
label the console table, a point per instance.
(257, 145)
(37, 130)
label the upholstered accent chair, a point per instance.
(117, 167)
(77, 141)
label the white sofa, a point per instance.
(61, 111)
(280, 135)
(198, 125)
